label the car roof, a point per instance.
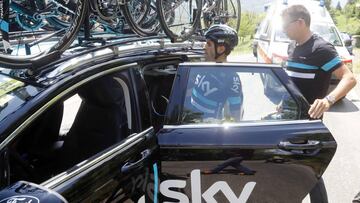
(57, 75)
(92, 53)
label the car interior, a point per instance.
(101, 120)
(159, 79)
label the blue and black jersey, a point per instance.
(210, 92)
(310, 66)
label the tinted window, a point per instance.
(91, 119)
(13, 94)
(226, 94)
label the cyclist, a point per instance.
(218, 93)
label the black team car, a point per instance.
(119, 123)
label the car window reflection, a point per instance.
(259, 96)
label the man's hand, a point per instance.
(318, 108)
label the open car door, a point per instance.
(249, 145)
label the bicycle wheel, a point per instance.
(36, 47)
(179, 18)
(141, 15)
(224, 12)
(60, 17)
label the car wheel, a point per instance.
(318, 193)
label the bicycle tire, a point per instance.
(139, 24)
(235, 25)
(318, 193)
(54, 51)
(208, 18)
(102, 14)
(167, 22)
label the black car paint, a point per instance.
(23, 191)
(85, 179)
(194, 147)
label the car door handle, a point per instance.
(128, 166)
(309, 145)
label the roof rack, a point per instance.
(146, 44)
(138, 43)
(42, 63)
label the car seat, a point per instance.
(41, 138)
(100, 122)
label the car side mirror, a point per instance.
(23, 191)
(347, 42)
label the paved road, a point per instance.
(342, 177)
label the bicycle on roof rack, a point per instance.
(180, 19)
(34, 33)
(27, 40)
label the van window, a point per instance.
(265, 31)
(329, 33)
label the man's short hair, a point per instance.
(295, 12)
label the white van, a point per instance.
(272, 42)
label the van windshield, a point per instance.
(329, 33)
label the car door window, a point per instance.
(228, 94)
(90, 119)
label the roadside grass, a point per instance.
(356, 62)
(244, 46)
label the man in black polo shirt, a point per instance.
(311, 62)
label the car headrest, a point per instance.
(105, 91)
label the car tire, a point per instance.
(318, 193)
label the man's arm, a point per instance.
(347, 82)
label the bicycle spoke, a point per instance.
(177, 17)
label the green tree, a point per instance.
(249, 22)
(348, 20)
(338, 6)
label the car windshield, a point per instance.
(329, 33)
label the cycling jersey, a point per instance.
(210, 93)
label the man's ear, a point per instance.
(221, 49)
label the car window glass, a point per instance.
(329, 33)
(87, 121)
(265, 30)
(226, 94)
(71, 108)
